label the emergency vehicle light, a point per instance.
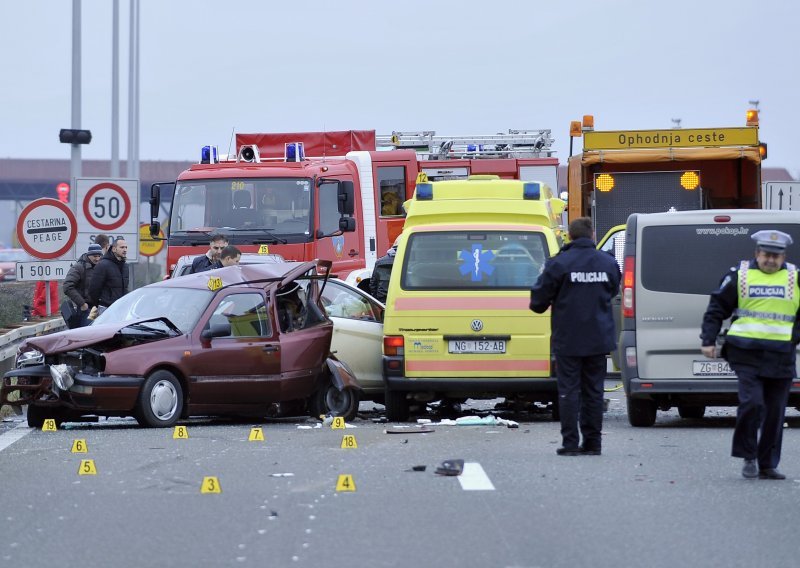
(752, 117)
(531, 190)
(294, 152)
(604, 182)
(209, 155)
(588, 122)
(424, 191)
(690, 180)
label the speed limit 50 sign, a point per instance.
(110, 207)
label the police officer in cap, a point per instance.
(579, 283)
(763, 297)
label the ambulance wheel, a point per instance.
(641, 412)
(691, 411)
(396, 406)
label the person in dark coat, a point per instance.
(579, 283)
(76, 284)
(763, 297)
(110, 277)
(381, 272)
(210, 260)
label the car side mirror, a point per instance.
(216, 330)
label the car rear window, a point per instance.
(692, 259)
(470, 260)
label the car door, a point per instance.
(357, 332)
(243, 367)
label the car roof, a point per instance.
(242, 273)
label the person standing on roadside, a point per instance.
(381, 273)
(110, 277)
(230, 256)
(579, 283)
(763, 297)
(76, 284)
(210, 260)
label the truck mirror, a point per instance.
(346, 198)
(155, 229)
(347, 224)
(155, 201)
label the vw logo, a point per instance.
(476, 325)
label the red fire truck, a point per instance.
(330, 195)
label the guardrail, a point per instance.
(10, 340)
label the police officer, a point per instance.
(579, 283)
(764, 298)
(382, 272)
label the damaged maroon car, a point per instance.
(231, 341)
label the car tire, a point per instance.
(396, 406)
(691, 411)
(330, 400)
(641, 412)
(160, 400)
(36, 416)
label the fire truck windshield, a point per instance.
(278, 205)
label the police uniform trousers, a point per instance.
(580, 398)
(762, 405)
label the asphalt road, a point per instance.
(669, 495)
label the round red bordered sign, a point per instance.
(107, 206)
(47, 229)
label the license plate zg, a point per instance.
(712, 368)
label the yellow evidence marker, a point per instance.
(338, 423)
(349, 441)
(210, 485)
(180, 433)
(79, 447)
(49, 425)
(256, 435)
(263, 249)
(345, 483)
(87, 468)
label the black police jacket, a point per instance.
(579, 283)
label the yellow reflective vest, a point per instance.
(768, 305)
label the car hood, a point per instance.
(81, 337)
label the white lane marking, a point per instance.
(473, 478)
(13, 435)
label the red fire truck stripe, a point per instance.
(490, 365)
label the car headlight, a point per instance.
(29, 358)
(62, 376)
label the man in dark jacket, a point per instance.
(210, 260)
(579, 283)
(76, 284)
(381, 272)
(110, 278)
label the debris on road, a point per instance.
(451, 467)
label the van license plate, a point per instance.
(477, 346)
(712, 368)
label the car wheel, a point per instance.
(641, 412)
(396, 406)
(330, 400)
(160, 401)
(691, 411)
(36, 416)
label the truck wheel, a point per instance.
(330, 400)
(160, 401)
(396, 406)
(691, 411)
(641, 412)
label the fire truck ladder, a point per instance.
(515, 144)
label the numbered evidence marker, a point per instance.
(345, 483)
(87, 468)
(256, 435)
(79, 447)
(210, 485)
(49, 425)
(180, 433)
(349, 441)
(338, 423)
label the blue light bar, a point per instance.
(531, 190)
(294, 152)
(208, 155)
(424, 191)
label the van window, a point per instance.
(692, 259)
(468, 260)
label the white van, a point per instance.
(673, 261)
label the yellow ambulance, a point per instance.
(457, 323)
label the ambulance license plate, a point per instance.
(712, 369)
(477, 346)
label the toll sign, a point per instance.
(47, 229)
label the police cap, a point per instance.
(772, 241)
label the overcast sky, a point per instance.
(469, 67)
